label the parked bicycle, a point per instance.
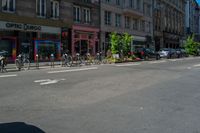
(97, 59)
(67, 60)
(22, 61)
(2, 64)
(78, 60)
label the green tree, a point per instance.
(191, 46)
(115, 42)
(126, 40)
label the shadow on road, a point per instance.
(19, 127)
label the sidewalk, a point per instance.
(42, 65)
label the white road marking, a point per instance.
(42, 80)
(173, 60)
(130, 64)
(73, 70)
(198, 65)
(156, 62)
(5, 76)
(48, 81)
(189, 68)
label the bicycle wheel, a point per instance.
(69, 61)
(17, 64)
(26, 65)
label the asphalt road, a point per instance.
(144, 97)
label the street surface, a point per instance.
(143, 97)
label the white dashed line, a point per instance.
(156, 62)
(42, 80)
(6, 76)
(133, 64)
(198, 65)
(73, 70)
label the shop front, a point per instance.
(29, 39)
(85, 40)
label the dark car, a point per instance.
(4, 53)
(167, 53)
(146, 53)
(181, 52)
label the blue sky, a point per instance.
(198, 1)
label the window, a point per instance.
(86, 14)
(54, 9)
(77, 13)
(131, 3)
(142, 25)
(107, 1)
(127, 22)
(118, 2)
(138, 5)
(8, 5)
(117, 20)
(41, 8)
(135, 24)
(107, 17)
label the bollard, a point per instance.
(37, 61)
(52, 60)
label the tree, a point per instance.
(115, 42)
(191, 46)
(126, 40)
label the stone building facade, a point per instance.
(131, 16)
(86, 26)
(33, 27)
(168, 19)
(192, 23)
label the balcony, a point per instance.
(132, 12)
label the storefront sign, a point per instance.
(25, 27)
(28, 27)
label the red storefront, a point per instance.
(85, 40)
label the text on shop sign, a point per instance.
(26, 27)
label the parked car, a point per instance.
(146, 53)
(4, 53)
(167, 53)
(181, 52)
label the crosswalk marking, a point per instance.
(6, 76)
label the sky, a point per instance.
(198, 1)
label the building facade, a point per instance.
(33, 27)
(86, 26)
(168, 19)
(131, 16)
(192, 18)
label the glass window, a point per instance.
(86, 14)
(8, 5)
(77, 13)
(127, 22)
(41, 8)
(54, 9)
(107, 17)
(117, 20)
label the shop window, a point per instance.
(41, 8)
(54, 9)
(45, 48)
(8, 5)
